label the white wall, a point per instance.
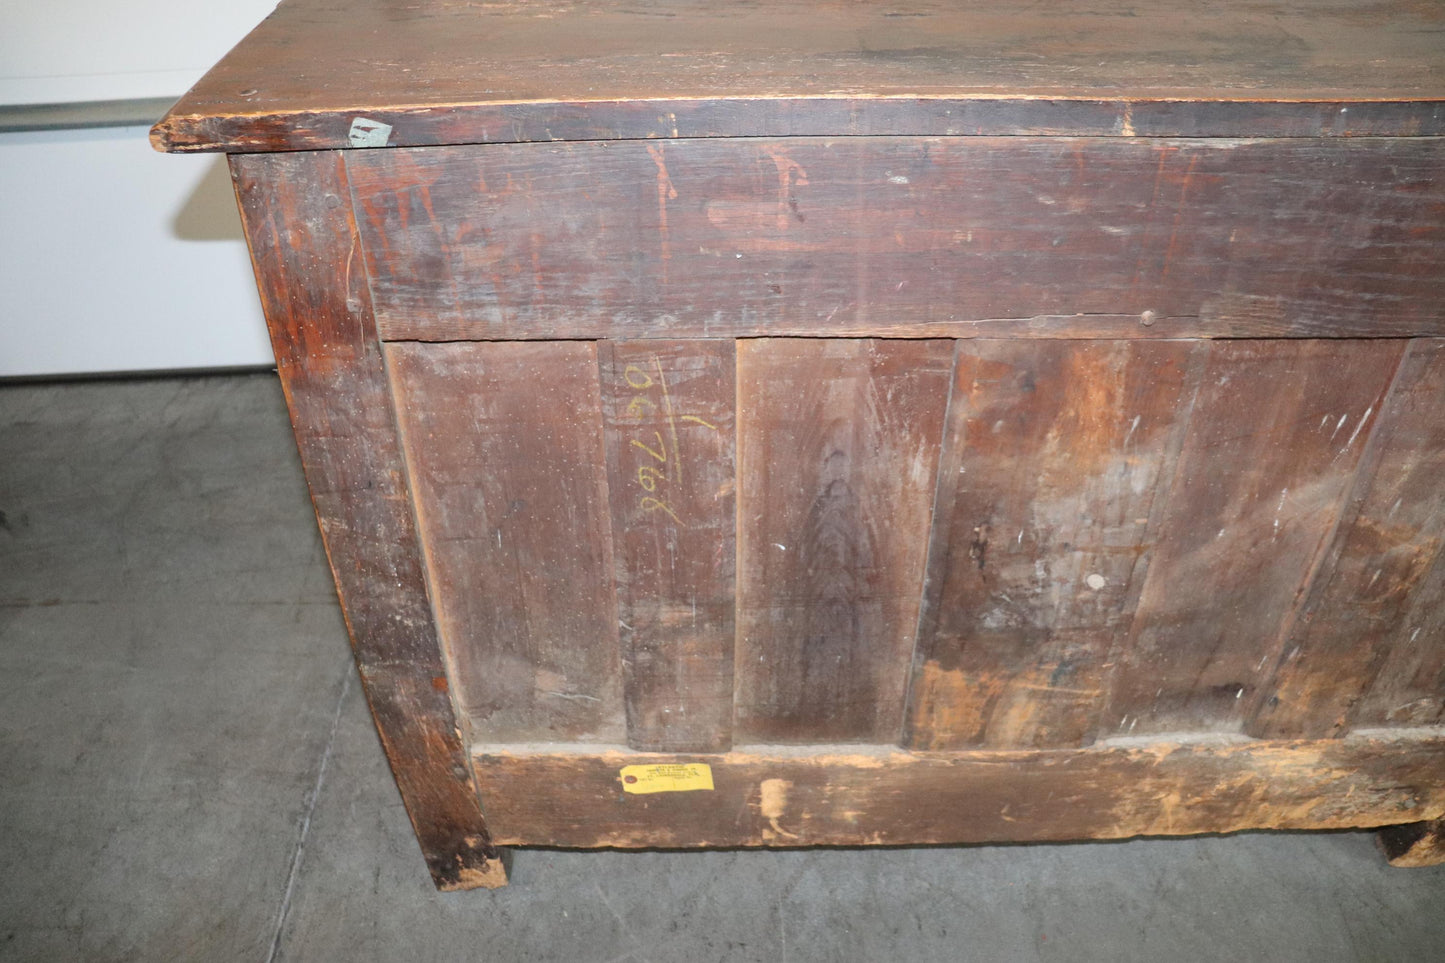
(114, 257)
(54, 51)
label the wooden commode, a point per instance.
(821, 422)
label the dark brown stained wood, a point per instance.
(1381, 596)
(1054, 456)
(668, 428)
(863, 795)
(303, 242)
(1414, 844)
(838, 450)
(1275, 434)
(907, 237)
(504, 445)
(439, 71)
(1410, 689)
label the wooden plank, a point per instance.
(1381, 597)
(296, 216)
(504, 444)
(440, 71)
(838, 450)
(1054, 455)
(956, 237)
(1275, 434)
(668, 430)
(1414, 844)
(1410, 689)
(867, 795)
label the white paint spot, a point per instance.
(368, 133)
(780, 545)
(897, 179)
(1354, 434)
(1096, 581)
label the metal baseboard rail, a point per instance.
(78, 115)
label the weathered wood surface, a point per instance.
(1414, 844)
(302, 239)
(1276, 432)
(1380, 600)
(838, 446)
(438, 71)
(504, 445)
(958, 237)
(862, 795)
(668, 429)
(1053, 463)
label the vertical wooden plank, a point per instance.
(504, 441)
(838, 446)
(1382, 596)
(1410, 688)
(302, 237)
(1054, 454)
(1276, 432)
(668, 429)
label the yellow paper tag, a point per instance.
(668, 777)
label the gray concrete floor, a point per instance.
(188, 770)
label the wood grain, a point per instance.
(838, 451)
(439, 71)
(1382, 591)
(865, 795)
(1054, 458)
(668, 430)
(297, 217)
(904, 237)
(504, 442)
(1414, 844)
(1275, 434)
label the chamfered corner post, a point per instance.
(299, 224)
(1414, 844)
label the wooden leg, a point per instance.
(296, 208)
(1414, 844)
(489, 870)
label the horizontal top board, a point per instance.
(321, 74)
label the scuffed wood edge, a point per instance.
(199, 125)
(1414, 844)
(876, 795)
(303, 243)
